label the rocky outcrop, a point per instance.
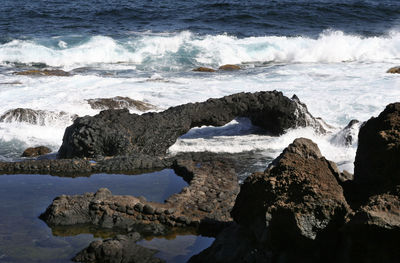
(116, 132)
(122, 248)
(377, 166)
(394, 70)
(229, 67)
(36, 151)
(119, 103)
(296, 198)
(37, 117)
(204, 204)
(45, 72)
(204, 69)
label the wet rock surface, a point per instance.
(394, 70)
(204, 69)
(119, 103)
(36, 151)
(116, 132)
(229, 67)
(36, 117)
(122, 248)
(45, 72)
(204, 204)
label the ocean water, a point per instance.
(332, 54)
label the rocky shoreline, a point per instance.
(301, 208)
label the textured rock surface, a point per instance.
(116, 132)
(377, 165)
(119, 103)
(45, 72)
(36, 151)
(121, 249)
(36, 117)
(204, 204)
(297, 197)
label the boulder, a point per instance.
(45, 72)
(117, 132)
(394, 70)
(295, 200)
(229, 67)
(119, 103)
(203, 69)
(122, 248)
(36, 151)
(377, 166)
(37, 117)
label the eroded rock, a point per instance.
(119, 103)
(116, 132)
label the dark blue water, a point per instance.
(118, 18)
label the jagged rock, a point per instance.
(36, 117)
(203, 69)
(229, 67)
(36, 151)
(119, 103)
(121, 249)
(212, 182)
(394, 70)
(348, 135)
(377, 166)
(45, 72)
(116, 132)
(296, 198)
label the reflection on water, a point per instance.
(25, 238)
(180, 248)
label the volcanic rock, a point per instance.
(122, 248)
(296, 198)
(36, 117)
(377, 166)
(119, 103)
(229, 67)
(36, 151)
(45, 72)
(394, 70)
(116, 132)
(204, 69)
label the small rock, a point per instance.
(36, 151)
(394, 70)
(204, 69)
(229, 67)
(46, 72)
(138, 207)
(148, 209)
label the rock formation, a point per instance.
(116, 132)
(394, 70)
(229, 67)
(119, 103)
(45, 72)
(36, 117)
(36, 151)
(204, 69)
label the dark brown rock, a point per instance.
(394, 70)
(36, 117)
(121, 249)
(204, 69)
(119, 103)
(229, 67)
(377, 166)
(116, 132)
(295, 199)
(45, 72)
(36, 151)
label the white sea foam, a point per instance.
(182, 50)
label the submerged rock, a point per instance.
(36, 151)
(119, 103)
(36, 117)
(45, 72)
(122, 248)
(394, 70)
(116, 132)
(229, 67)
(204, 69)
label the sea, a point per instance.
(332, 54)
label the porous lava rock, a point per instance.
(121, 249)
(296, 198)
(36, 151)
(377, 165)
(117, 132)
(119, 103)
